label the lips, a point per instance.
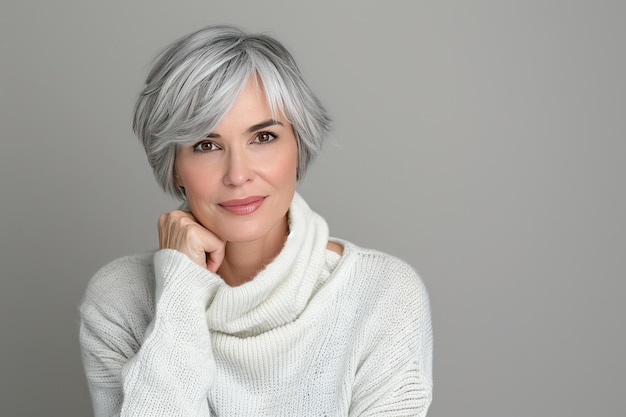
(243, 206)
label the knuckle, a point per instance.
(192, 231)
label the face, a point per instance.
(241, 178)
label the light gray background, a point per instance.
(481, 141)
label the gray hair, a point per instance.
(195, 81)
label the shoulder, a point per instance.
(391, 296)
(382, 273)
(121, 290)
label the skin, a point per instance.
(250, 153)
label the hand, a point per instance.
(180, 230)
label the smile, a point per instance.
(243, 206)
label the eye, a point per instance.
(264, 137)
(205, 146)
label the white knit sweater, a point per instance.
(313, 334)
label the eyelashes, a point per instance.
(260, 138)
(264, 137)
(205, 146)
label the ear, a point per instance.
(179, 182)
(177, 179)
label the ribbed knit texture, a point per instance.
(313, 334)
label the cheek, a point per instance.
(200, 184)
(284, 168)
(197, 179)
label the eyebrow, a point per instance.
(263, 125)
(253, 128)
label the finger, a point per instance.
(206, 247)
(171, 228)
(161, 229)
(216, 257)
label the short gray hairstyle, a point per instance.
(195, 81)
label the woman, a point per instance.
(248, 308)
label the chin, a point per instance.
(250, 231)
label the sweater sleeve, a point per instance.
(169, 369)
(394, 377)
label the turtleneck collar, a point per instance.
(279, 292)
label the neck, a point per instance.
(243, 260)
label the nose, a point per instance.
(238, 169)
